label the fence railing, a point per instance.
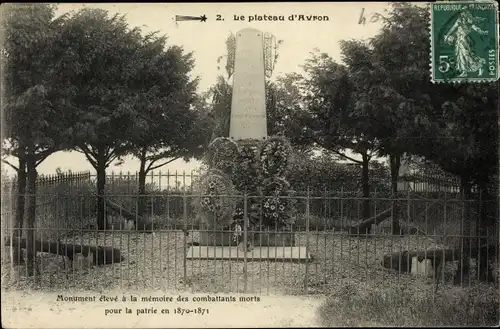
(320, 251)
(183, 180)
(435, 183)
(74, 179)
(69, 209)
(49, 188)
(128, 182)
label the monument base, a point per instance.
(278, 239)
(259, 239)
(208, 238)
(256, 254)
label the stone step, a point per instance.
(256, 254)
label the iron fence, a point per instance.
(323, 249)
(52, 199)
(432, 183)
(158, 185)
(72, 179)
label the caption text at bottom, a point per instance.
(197, 310)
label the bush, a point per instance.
(315, 222)
(324, 175)
(398, 305)
(123, 190)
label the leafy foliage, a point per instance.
(105, 72)
(286, 113)
(164, 95)
(35, 98)
(449, 125)
(221, 94)
(244, 162)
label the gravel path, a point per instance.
(155, 261)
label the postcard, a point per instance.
(267, 164)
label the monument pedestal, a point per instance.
(269, 246)
(259, 239)
(217, 238)
(288, 254)
(274, 239)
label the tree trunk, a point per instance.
(364, 226)
(31, 211)
(365, 182)
(485, 227)
(141, 203)
(395, 161)
(20, 203)
(462, 272)
(101, 184)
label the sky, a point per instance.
(207, 41)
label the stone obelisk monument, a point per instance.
(248, 107)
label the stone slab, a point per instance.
(423, 268)
(260, 239)
(248, 107)
(257, 254)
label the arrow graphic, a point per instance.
(179, 18)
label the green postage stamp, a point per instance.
(464, 41)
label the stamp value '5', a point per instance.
(464, 41)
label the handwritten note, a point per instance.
(374, 17)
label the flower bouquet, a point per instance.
(246, 170)
(215, 204)
(221, 154)
(278, 208)
(275, 156)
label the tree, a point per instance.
(342, 118)
(36, 122)
(165, 125)
(450, 125)
(106, 65)
(221, 94)
(286, 114)
(395, 83)
(465, 144)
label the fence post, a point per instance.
(167, 210)
(245, 240)
(13, 197)
(306, 278)
(462, 217)
(185, 229)
(409, 204)
(444, 232)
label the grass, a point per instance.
(365, 305)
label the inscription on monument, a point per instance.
(248, 107)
